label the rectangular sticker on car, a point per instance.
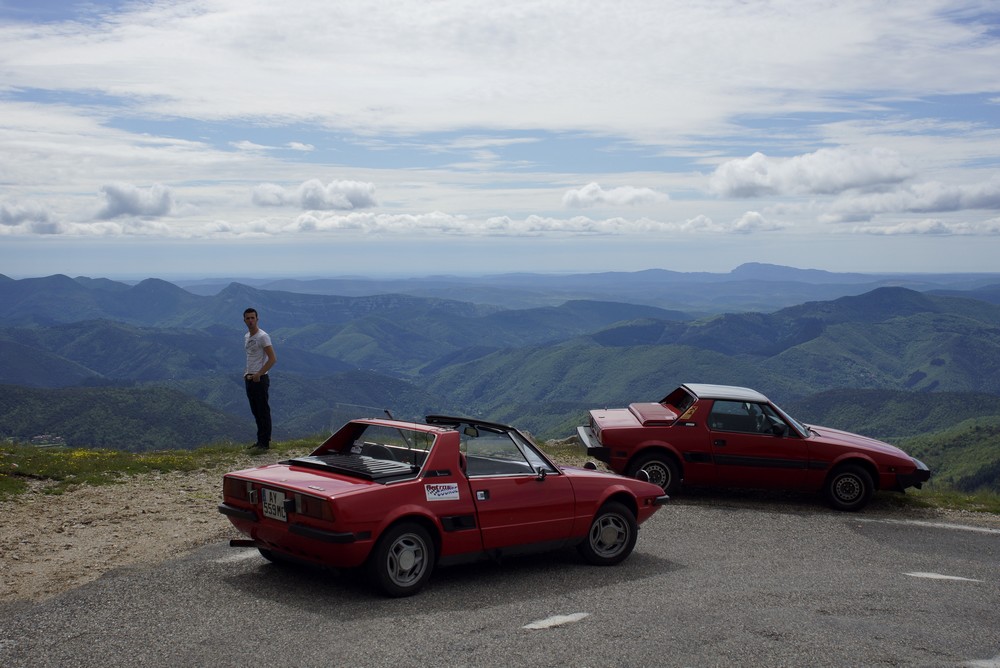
(446, 491)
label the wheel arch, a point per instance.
(624, 498)
(855, 460)
(657, 447)
(425, 521)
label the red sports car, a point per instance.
(400, 498)
(718, 435)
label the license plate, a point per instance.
(273, 505)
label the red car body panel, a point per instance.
(735, 437)
(469, 516)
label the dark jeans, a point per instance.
(257, 395)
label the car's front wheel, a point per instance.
(402, 560)
(661, 469)
(612, 536)
(849, 488)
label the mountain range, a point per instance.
(534, 350)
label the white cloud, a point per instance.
(26, 212)
(934, 227)
(930, 197)
(751, 222)
(124, 199)
(826, 171)
(246, 145)
(593, 194)
(389, 64)
(313, 194)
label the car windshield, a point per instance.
(392, 443)
(494, 451)
(796, 425)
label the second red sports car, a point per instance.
(720, 435)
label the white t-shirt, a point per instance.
(254, 345)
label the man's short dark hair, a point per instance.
(250, 310)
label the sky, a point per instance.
(396, 137)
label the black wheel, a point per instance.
(849, 488)
(402, 560)
(661, 469)
(611, 537)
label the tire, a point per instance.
(849, 488)
(661, 468)
(611, 537)
(273, 557)
(402, 560)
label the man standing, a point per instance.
(260, 359)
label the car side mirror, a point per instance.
(642, 474)
(780, 429)
(541, 473)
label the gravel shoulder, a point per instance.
(50, 544)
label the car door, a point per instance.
(515, 502)
(753, 447)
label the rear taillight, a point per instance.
(312, 506)
(238, 489)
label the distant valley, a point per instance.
(157, 364)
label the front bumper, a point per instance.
(920, 475)
(593, 445)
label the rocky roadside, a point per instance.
(50, 543)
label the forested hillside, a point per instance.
(918, 362)
(134, 419)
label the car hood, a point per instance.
(605, 478)
(857, 441)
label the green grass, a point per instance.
(59, 469)
(939, 496)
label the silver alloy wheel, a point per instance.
(406, 559)
(609, 535)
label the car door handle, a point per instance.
(718, 442)
(482, 495)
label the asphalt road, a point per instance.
(713, 582)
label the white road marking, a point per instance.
(938, 576)
(935, 525)
(988, 663)
(556, 620)
(242, 555)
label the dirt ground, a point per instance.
(52, 543)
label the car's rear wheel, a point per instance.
(661, 469)
(402, 560)
(849, 488)
(612, 535)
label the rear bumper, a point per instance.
(593, 445)
(920, 475)
(238, 513)
(336, 537)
